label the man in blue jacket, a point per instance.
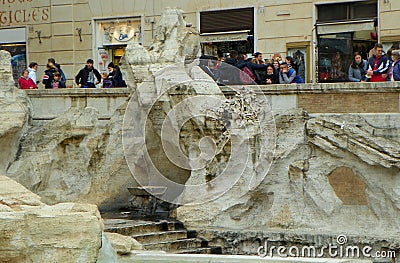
(378, 65)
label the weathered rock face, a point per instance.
(75, 158)
(331, 175)
(34, 232)
(71, 158)
(14, 113)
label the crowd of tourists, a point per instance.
(87, 77)
(238, 69)
(379, 67)
(251, 69)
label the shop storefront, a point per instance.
(13, 40)
(112, 37)
(224, 30)
(343, 29)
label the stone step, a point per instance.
(202, 250)
(137, 227)
(154, 237)
(177, 245)
(203, 258)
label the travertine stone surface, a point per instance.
(123, 244)
(14, 113)
(330, 173)
(34, 232)
(75, 158)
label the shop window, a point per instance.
(335, 54)
(364, 10)
(332, 12)
(18, 58)
(347, 11)
(222, 49)
(222, 31)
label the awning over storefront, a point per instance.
(225, 36)
(343, 27)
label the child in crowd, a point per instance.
(57, 82)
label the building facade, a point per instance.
(320, 34)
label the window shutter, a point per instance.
(227, 20)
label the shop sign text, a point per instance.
(20, 13)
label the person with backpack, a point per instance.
(48, 77)
(58, 67)
(247, 75)
(288, 75)
(227, 72)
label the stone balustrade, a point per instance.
(314, 98)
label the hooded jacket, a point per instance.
(32, 74)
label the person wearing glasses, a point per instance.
(378, 65)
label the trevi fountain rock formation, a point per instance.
(328, 174)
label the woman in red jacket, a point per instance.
(25, 82)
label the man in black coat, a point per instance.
(88, 77)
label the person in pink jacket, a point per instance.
(25, 82)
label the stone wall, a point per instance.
(313, 98)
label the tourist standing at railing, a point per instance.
(58, 66)
(288, 75)
(275, 63)
(258, 56)
(32, 69)
(115, 75)
(272, 76)
(292, 63)
(25, 82)
(358, 68)
(378, 65)
(252, 67)
(277, 57)
(394, 74)
(226, 73)
(88, 77)
(260, 73)
(57, 83)
(48, 77)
